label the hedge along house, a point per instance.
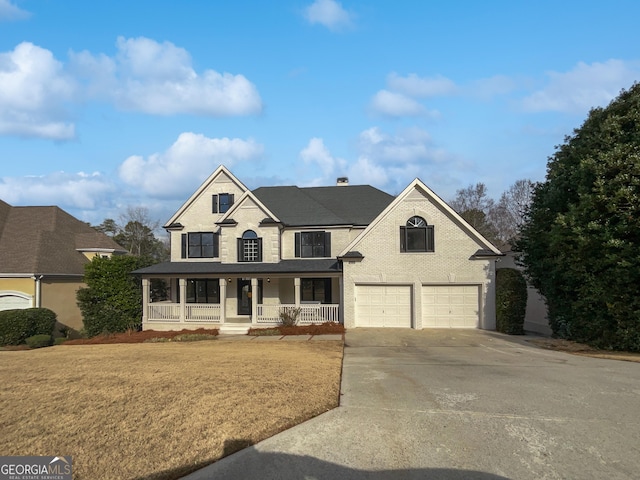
(352, 254)
(43, 251)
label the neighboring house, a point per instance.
(352, 254)
(43, 251)
(536, 319)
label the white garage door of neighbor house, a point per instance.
(383, 306)
(10, 302)
(450, 306)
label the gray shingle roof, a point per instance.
(45, 240)
(322, 206)
(284, 266)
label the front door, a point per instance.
(244, 296)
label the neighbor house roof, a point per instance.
(46, 240)
(310, 206)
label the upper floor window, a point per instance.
(222, 202)
(199, 245)
(416, 236)
(249, 247)
(313, 244)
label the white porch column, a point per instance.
(296, 288)
(223, 300)
(254, 300)
(183, 299)
(341, 302)
(145, 300)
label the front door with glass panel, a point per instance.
(244, 296)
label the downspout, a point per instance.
(38, 278)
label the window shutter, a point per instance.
(183, 249)
(430, 239)
(403, 239)
(240, 250)
(214, 203)
(297, 247)
(259, 249)
(327, 244)
(231, 199)
(216, 244)
(327, 290)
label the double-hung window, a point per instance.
(316, 290)
(221, 203)
(199, 245)
(313, 244)
(417, 236)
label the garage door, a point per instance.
(10, 302)
(450, 306)
(383, 306)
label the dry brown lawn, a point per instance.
(160, 410)
(576, 348)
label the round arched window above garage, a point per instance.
(416, 236)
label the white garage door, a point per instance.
(383, 306)
(450, 306)
(10, 302)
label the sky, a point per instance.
(106, 105)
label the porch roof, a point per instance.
(329, 265)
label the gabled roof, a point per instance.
(227, 217)
(47, 240)
(221, 170)
(323, 206)
(438, 202)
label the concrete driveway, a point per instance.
(457, 404)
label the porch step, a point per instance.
(231, 329)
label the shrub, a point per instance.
(59, 340)
(17, 325)
(112, 300)
(289, 316)
(39, 341)
(511, 301)
(43, 320)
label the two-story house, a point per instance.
(350, 254)
(43, 252)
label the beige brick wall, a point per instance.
(198, 216)
(449, 264)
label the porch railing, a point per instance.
(203, 313)
(316, 313)
(194, 312)
(163, 312)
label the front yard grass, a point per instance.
(159, 410)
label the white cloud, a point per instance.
(415, 86)
(316, 152)
(67, 190)
(158, 78)
(9, 11)
(34, 90)
(408, 146)
(584, 87)
(328, 13)
(176, 172)
(392, 104)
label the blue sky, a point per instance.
(110, 104)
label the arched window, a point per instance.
(249, 247)
(416, 236)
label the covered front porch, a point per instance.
(235, 302)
